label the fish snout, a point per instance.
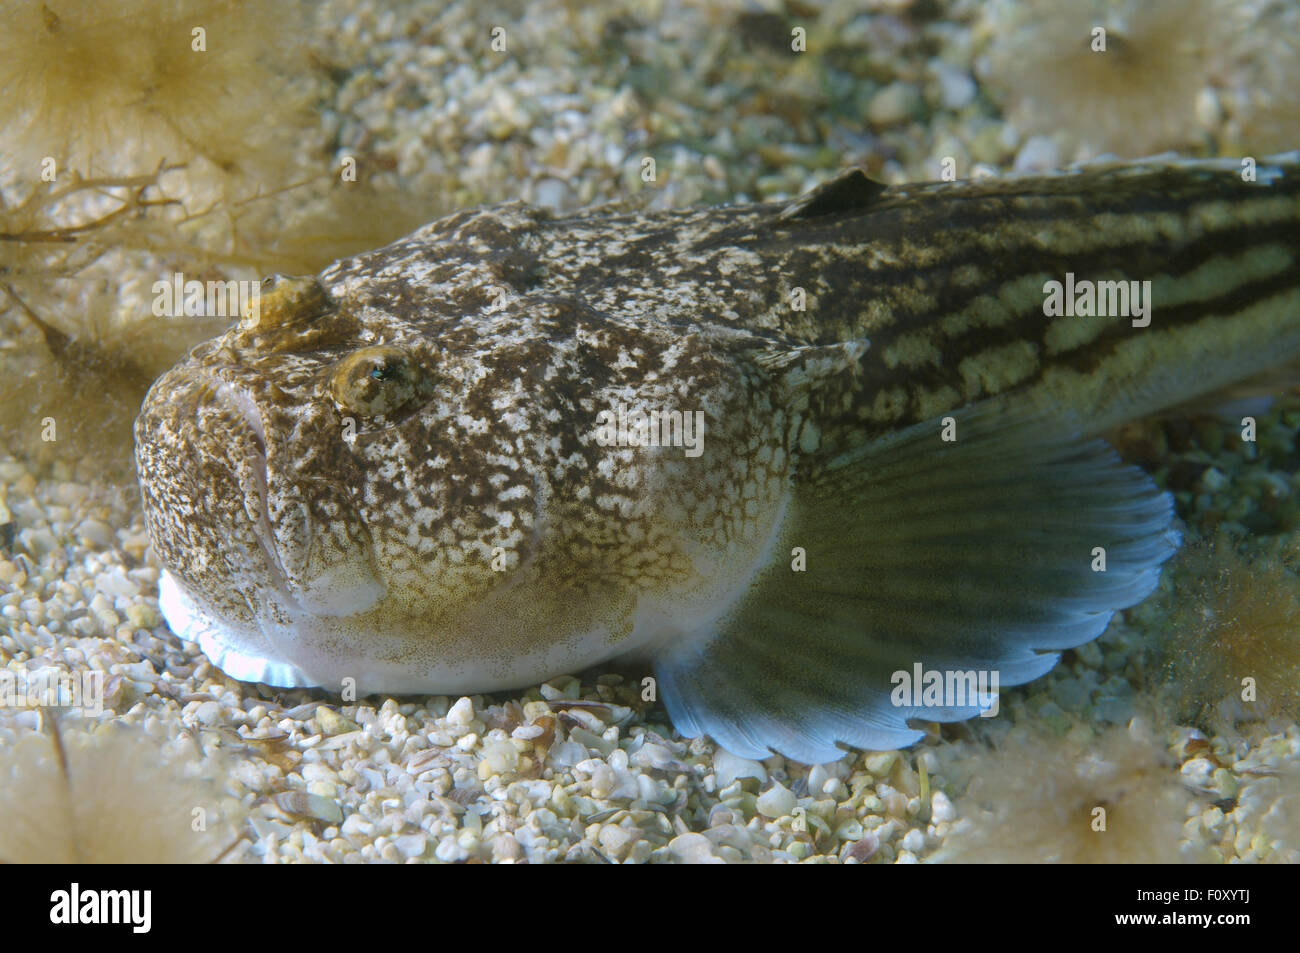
(252, 529)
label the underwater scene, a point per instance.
(654, 431)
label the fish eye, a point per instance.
(376, 380)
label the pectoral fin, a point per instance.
(983, 553)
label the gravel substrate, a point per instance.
(585, 770)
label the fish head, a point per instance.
(425, 484)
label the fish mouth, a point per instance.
(240, 406)
(304, 588)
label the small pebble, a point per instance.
(331, 722)
(693, 849)
(941, 809)
(896, 103)
(209, 713)
(776, 801)
(729, 768)
(461, 713)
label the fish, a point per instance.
(822, 464)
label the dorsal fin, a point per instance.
(849, 191)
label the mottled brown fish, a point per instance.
(872, 448)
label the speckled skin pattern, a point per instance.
(498, 463)
(392, 474)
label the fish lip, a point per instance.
(240, 403)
